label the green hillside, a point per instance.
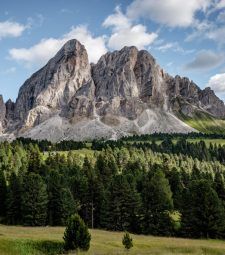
(204, 123)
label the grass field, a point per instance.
(204, 123)
(48, 240)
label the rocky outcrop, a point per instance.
(125, 92)
(50, 89)
(2, 114)
(186, 96)
(211, 103)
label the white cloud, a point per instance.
(41, 52)
(173, 46)
(217, 83)
(125, 33)
(205, 59)
(220, 4)
(11, 29)
(217, 35)
(173, 13)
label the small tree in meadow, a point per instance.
(127, 241)
(76, 235)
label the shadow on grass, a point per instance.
(49, 247)
(33, 247)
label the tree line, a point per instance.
(124, 188)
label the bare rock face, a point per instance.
(2, 109)
(211, 103)
(2, 114)
(125, 92)
(50, 89)
(186, 96)
(127, 82)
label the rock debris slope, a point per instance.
(125, 93)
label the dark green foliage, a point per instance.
(123, 205)
(3, 194)
(135, 184)
(76, 235)
(55, 199)
(34, 200)
(157, 204)
(14, 215)
(69, 205)
(127, 241)
(204, 214)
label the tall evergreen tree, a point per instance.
(204, 214)
(3, 194)
(55, 203)
(157, 204)
(34, 200)
(123, 206)
(14, 215)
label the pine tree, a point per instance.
(34, 200)
(69, 205)
(14, 215)
(55, 203)
(123, 206)
(204, 214)
(157, 203)
(76, 235)
(3, 194)
(127, 241)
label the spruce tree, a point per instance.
(204, 214)
(3, 194)
(55, 203)
(76, 235)
(14, 215)
(69, 205)
(127, 241)
(34, 200)
(123, 206)
(157, 204)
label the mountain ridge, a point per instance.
(125, 92)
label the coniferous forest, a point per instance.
(133, 184)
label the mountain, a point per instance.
(125, 93)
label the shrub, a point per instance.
(76, 235)
(127, 241)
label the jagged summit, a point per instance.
(125, 92)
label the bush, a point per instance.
(127, 241)
(76, 235)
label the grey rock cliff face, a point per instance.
(2, 114)
(192, 97)
(51, 88)
(125, 92)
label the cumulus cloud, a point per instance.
(217, 35)
(125, 33)
(220, 4)
(173, 13)
(41, 52)
(11, 29)
(217, 83)
(205, 59)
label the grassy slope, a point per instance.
(204, 123)
(42, 240)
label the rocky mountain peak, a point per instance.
(125, 92)
(2, 109)
(2, 113)
(51, 88)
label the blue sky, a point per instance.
(187, 37)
